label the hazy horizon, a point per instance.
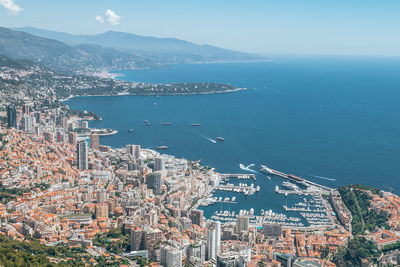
(287, 27)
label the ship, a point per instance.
(219, 138)
(196, 124)
(166, 124)
(297, 179)
(162, 147)
(146, 121)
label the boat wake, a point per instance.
(323, 178)
(209, 139)
(247, 168)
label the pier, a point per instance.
(293, 178)
(237, 175)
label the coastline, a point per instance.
(155, 94)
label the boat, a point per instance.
(277, 189)
(196, 124)
(162, 147)
(146, 121)
(297, 179)
(166, 124)
(289, 185)
(269, 177)
(219, 138)
(131, 130)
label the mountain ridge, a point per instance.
(64, 58)
(130, 42)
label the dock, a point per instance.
(238, 175)
(295, 179)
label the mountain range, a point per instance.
(67, 53)
(129, 42)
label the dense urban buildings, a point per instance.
(88, 196)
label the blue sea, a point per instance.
(331, 120)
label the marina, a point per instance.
(310, 211)
(246, 189)
(258, 220)
(238, 176)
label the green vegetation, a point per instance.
(141, 261)
(33, 253)
(358, 202)
(113, 241)
(43, 186)
(391, 247)
(356, 250)
(7, 195)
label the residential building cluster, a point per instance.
(70, 189)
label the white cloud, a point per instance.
(100, 19)
(109, 17)
(12, 8)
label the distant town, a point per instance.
(94, 204)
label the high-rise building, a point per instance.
(27, 123)
(159, 164)
(84, 124)
(48, 136)
(152, 217)
(186, 223)
(64, 122)
(101, 195)
(145, 238)
(82, 155)
(37, 116)
(213, 240)
(72, 138)
(133, 150)
(198, 251)
(242, 224)
(106, 149)
(26, 109)
(170, 256)
(136, 239)
(102, 210)
(153, 181)
(272, 229)
(231, 258)
(94, 141)
(11, 116)
(196, 216)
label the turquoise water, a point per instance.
(333, 121)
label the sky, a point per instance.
(322, 27)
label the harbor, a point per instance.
(302, 204)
